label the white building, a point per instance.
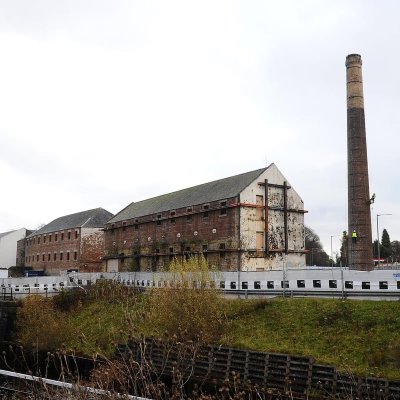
(8, 247)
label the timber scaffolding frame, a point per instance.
(285, 210)
(258, 372)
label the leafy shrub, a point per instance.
(184, 311)
(39, 325)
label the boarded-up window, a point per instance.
(260, 208)
(259, 240)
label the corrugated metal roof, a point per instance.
(95, 218)
(205, 193)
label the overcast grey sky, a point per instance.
(107, 102)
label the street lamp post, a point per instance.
(377, 233)
(332, 236)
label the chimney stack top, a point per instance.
(353, 59)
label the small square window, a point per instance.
(285, 284)
(366, 285)
(257, 285)
(172, 213)
(270, 284)
(301, 283)
(332, 284)
(223, 211)
(383, 285)
(316, 283)
(245, 285)
(205, 214)
(173, 221)
(222, 285)
(189, 209)
(206, 206)
(348, 284)
(233, 285)
(398, 284)
(205, 247)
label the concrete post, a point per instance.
(359, 212)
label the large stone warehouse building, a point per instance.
(252, 221)
(74, 241)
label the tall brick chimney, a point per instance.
(359, 212)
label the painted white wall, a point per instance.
(249, 225)
(8, 247)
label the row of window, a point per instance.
(333, 284)
(49, 237)
(316, 283)
(56, 257)
(172, 215)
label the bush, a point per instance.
(184, 311)
(39, 325)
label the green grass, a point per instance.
(360, 337)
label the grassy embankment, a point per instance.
(361, 337)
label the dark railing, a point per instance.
(287, 373)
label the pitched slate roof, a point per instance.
(205, 193)
(95, 218)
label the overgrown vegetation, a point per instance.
(360, 337)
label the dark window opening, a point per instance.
(188, 218)
(285, 284)
(205, 247)
(61, 256)
(366, 285)
(257, 285)
(49, 238)
(69, 233)
(158, 222)
(55, 257)
(205, 214)
(383, 285)
(172, 213)
(189, 209)
(332, 284)
(348, 284)
(55, 237)
(38, 240)
(136, 227)
(123, 226)
(62, 236)
(222, 285)
(173, 221)
(48, 257)
(206, 207)
(223, 211)
(68, 256)
(301, 283)
(270, 284)
(76, 234)
(75, 255)
(398, 284)
(245, 285)
(316, 283)
(233, 285)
